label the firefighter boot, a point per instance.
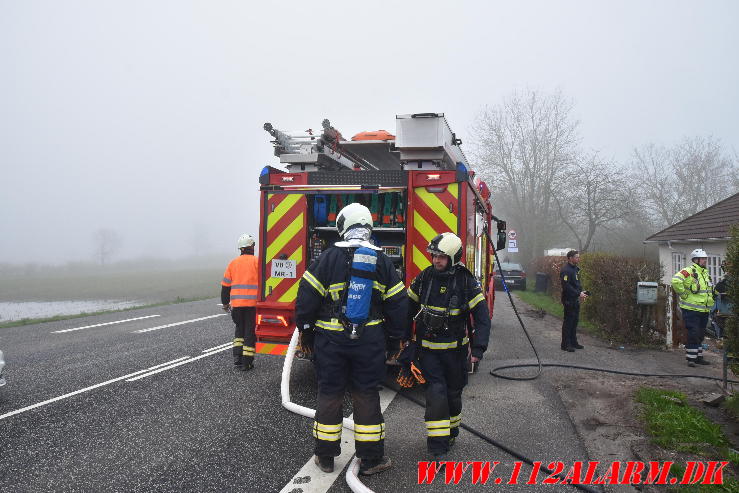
(325, 463)
(247, 363)
(368, 467)
(247, 358)
(701, 361)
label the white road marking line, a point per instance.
(141, 331)
(49, 401)
(310, 479)
(220, 346)
(194, 358)
(100, 325)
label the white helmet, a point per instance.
(245, 241)
(698, 253)
(353, 216)
(446, 244)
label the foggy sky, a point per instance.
(145, 117)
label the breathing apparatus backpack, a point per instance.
(359, 289)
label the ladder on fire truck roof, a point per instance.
(423, 141)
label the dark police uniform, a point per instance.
(571, 288)
(445, 301)
(341, 361)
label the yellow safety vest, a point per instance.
(693, 285)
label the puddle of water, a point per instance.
(41, 309)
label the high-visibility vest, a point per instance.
(693, 285)
(241, 276)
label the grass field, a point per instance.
(674, 424)
(539, 300)
(150, 286)
(553, 307)
(140, 286)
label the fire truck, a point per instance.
(417, 184)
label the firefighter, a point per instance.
(442, 299)
(239, 296)
(347, 344)
(694, 287)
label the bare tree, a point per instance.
(596, 197)
(524, 147)
(679, 181)
(105, 242)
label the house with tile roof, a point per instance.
(708, 229)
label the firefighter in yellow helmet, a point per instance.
(442, 299)
(349, 301)
(694, 286)
(239, 296)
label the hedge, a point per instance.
(611, 281)
(731, 337)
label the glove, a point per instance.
(405, 378)
(407, 354)
(417, 373)
(409, 376)
(305, 342)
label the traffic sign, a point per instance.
(512, 234)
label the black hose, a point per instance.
(605, 370)
(496, 444)
(515, 310)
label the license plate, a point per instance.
(510, 281)
(284, 268)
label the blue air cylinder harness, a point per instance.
(359, 289)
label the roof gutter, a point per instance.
(690, 240)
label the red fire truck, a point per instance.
(416, 183)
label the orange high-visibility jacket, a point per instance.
(241, 277)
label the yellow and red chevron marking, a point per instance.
(431, 216)
(269, 348)
(286, 217)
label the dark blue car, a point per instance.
(515, 276)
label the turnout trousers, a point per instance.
(360, 368)
(695, 324)
(569, 325)
(445, 371)
(244, 346)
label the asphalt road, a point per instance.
(82, 413)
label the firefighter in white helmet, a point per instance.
(349, 301)
(443, 298)
(239, 296)
(694, 286)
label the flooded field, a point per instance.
(69, 293)
(10, 311)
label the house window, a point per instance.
(714, 267)
(678, 261)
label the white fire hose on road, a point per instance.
(351, 472)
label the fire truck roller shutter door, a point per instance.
(433, 213)
(285, 240)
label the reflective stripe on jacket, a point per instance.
(693, 285)
(241, 277)
(468, 299)
(322, 289)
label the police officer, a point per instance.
(572, 294)
(442, 298)
(239, 296)
(351, 353)
(695, 288)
